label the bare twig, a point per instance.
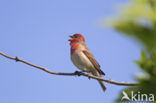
(69, 74)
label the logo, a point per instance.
(137, 96)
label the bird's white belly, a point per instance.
(81, 61)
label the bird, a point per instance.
(83, 59)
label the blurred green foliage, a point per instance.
(138, 20)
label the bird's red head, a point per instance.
(76, 38)
(75, 41)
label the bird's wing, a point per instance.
(93, 61)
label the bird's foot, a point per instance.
(78, 73)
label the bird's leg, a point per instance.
(89, 74)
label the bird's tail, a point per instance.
(102, 85)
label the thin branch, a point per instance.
(69, 74)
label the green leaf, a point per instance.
(138, 20)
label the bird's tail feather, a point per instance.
(102, 85)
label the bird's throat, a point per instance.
(74, 46)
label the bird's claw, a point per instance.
(78, 73)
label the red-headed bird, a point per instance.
(83, 59)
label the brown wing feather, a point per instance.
(94, 62)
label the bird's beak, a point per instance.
(71, 36)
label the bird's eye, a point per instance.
(75, 36)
